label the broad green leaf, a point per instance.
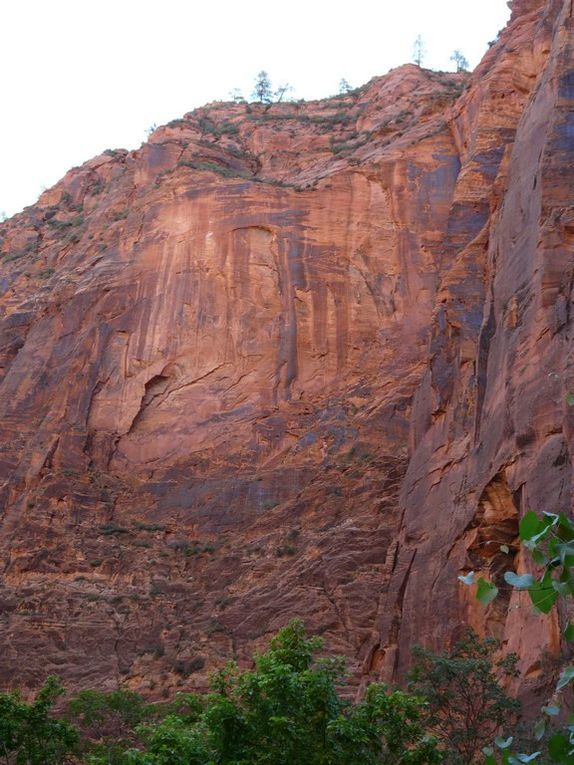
(538, 556)
(486, 591)
(547, 521)
(565, 678)
(569, 632)
(551, 710)
(566, 527)
(543, 598)
(546, 581)
(558, 746)
(503, 743)
(468, 579)
(550, 518)
(523, 582)
(529, 525)
(566, 553)
(540, 729)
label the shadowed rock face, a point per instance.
(306, 359)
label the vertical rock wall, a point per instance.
(492, 430)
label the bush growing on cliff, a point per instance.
(467, 705)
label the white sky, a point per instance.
(80, 76)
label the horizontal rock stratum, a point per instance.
(301, 359)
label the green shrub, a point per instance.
(110, 528)
(29, 735)
(288, 711)
(466, 702)
(284, 550)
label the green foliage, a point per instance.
(110, 528)
(45, 273)
(107, 722)
(285, 550)
(206, 125)
(213, 167)
(467, 704)
(30, 249)
(287, 711)
(28, 734)
(486, 591)
(78, 220)
(550, 540)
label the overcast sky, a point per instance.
(80, 76)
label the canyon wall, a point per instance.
(492, 427)
(300, 359)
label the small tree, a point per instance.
(281, 91)
(288, 711)
(460, 60)
(466, 703)
(419, 51)
(236, 95)
(29, 735)
(262, 90)
(344, 87)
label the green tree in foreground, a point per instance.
(466, 703)
(549, 538)
(287, 711)
(107, 723)
(28, 734)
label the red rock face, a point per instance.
(225, 355)
(492, 434)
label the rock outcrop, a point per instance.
(301, 359)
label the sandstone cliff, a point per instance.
(304, 360)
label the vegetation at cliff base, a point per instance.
(466, 702)
(290, 709)
(29, 735)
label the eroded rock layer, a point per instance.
(301, 359)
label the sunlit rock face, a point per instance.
(294, 360)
